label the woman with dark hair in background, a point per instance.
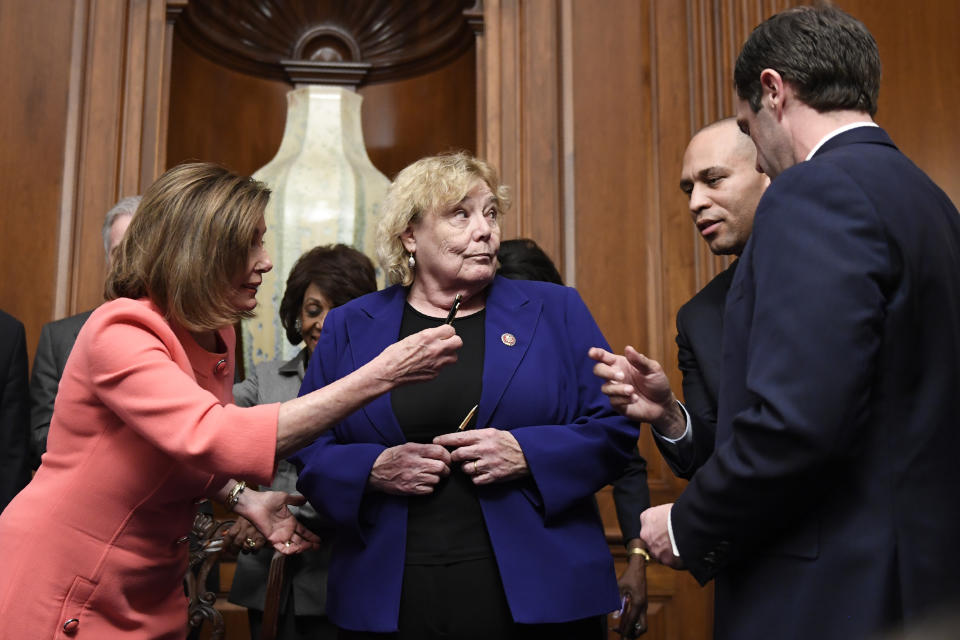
(322, 278)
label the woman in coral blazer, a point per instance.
(143, 427)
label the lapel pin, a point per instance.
(508, 339)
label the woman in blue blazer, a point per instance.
(489, 531)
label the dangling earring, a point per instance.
(299, 325)
(411, 261)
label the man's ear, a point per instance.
(773, 90)
(409, 242)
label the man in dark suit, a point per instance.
(57, 338)
(828, 508)
(721, 180)
(14, 426)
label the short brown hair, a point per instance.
(191, 236)
(421, 187)
(829, 58)
(340, 272)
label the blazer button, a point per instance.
(183, 539)
(70, 626)
(220, 368)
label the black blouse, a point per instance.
(447, 525)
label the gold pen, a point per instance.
(463, 425)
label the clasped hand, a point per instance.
(487, 455)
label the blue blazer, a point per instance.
(546, 534)
(829, 507)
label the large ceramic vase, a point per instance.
(325, 190)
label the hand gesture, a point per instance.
(488, 455)
(410, 469)
(637, 387)
(268, 512)
(419, 356)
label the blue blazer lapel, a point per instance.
(372, 328)
(509, 313)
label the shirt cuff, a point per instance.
(673, 542)
(687, 433)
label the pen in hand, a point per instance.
(453, 309)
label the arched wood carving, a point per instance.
(341, 42)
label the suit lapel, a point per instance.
(511, 317)
(372, 328)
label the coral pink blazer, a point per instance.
(95, 546)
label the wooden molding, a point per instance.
(116, 135)
(339, 42)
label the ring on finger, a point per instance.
(250, 543)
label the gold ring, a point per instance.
(288, 543)
(249, 543)
(476, 466)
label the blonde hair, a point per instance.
(191, 236)
(428, 184)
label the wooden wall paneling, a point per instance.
(220, 115)
(541, 143)
(613, 169)
(116, 149)
(428, 114)
(503, 89)
(673, 103)
(919, 51)
(35, 46)
(523, 116)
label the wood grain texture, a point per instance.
(919, 50)
(35, 38)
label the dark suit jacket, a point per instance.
(829, 508)
(14, 425)
(631, 496)
(545, 531)
(699, 336)
(56, 342)
(306, 573)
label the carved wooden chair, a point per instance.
(206, 545)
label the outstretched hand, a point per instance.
(268, 511)
(419, 356)
(637, 387)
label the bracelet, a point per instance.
(640, 551)
(234, 497)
